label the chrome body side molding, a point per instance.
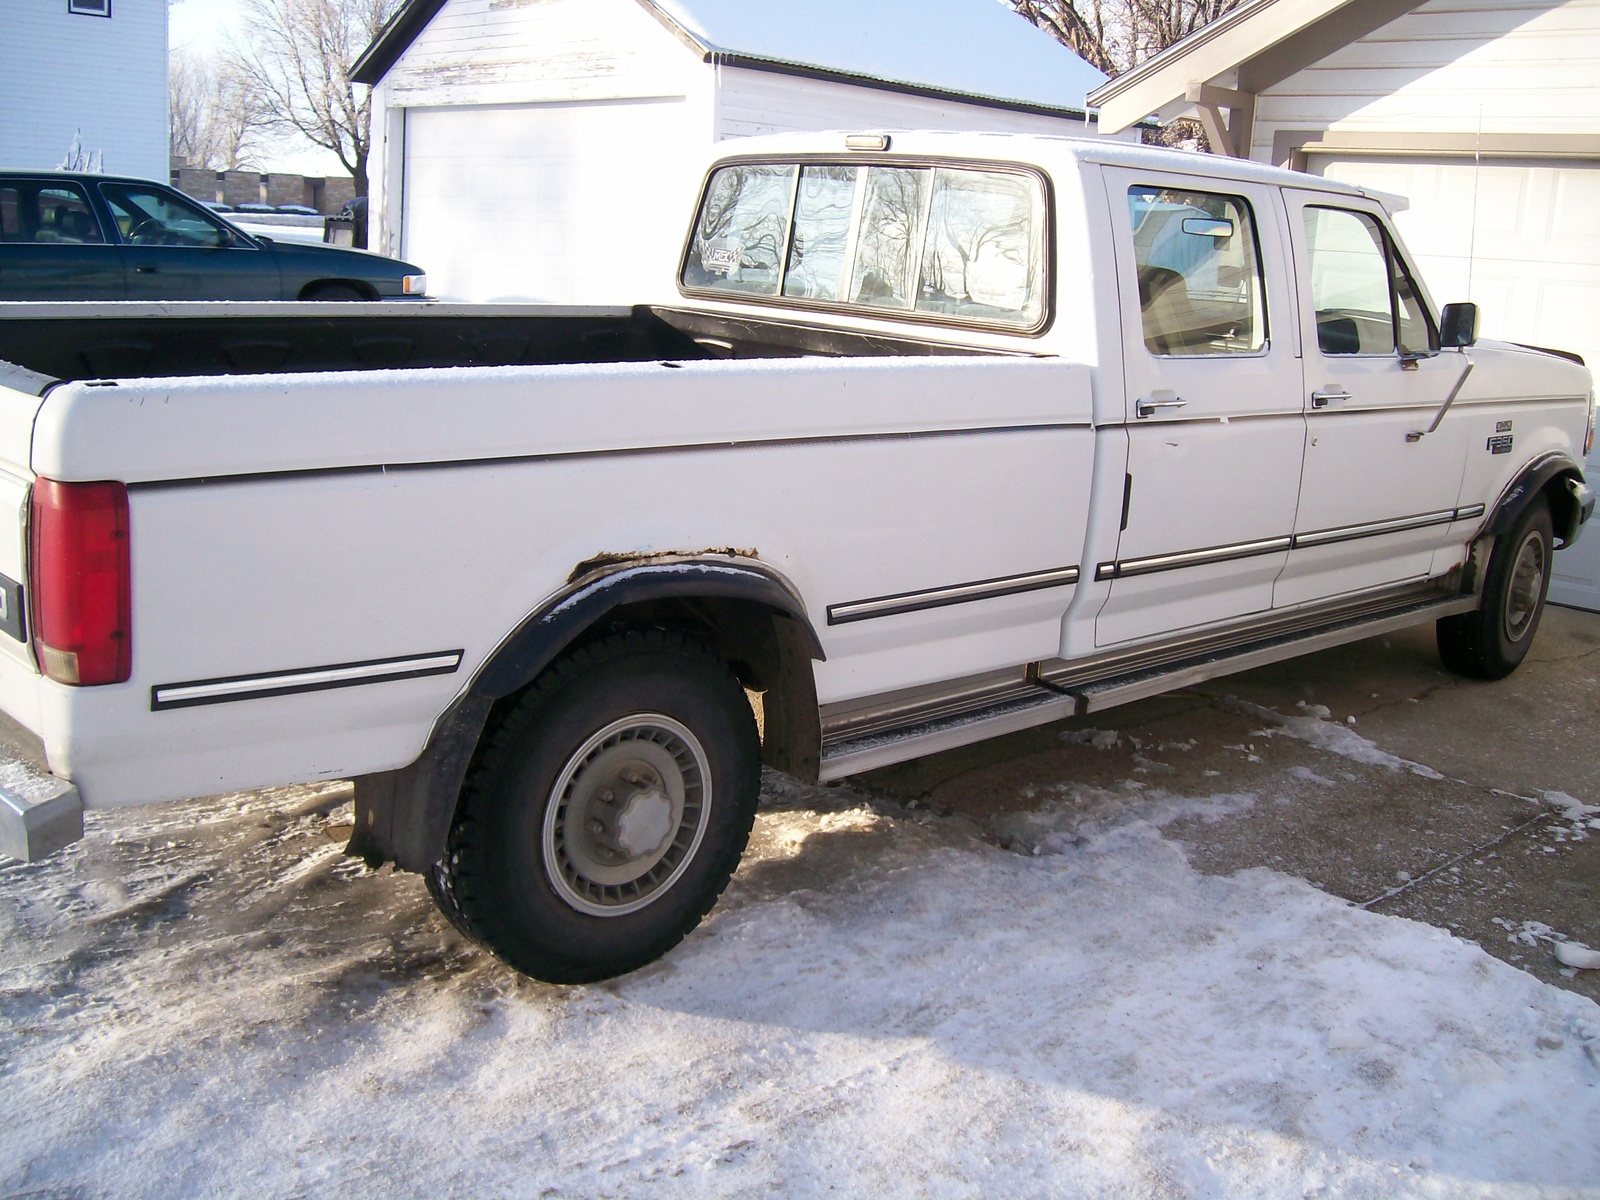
(861, 735)
(1126, 568)
(306, 679)
(960, 593)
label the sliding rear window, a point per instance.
(963, 245)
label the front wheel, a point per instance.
(1492, 642)
(607, 812)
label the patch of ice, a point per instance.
(1571, 808)
(1335, 738)
(1100, 739)
(1310, 776)
(1576, 954)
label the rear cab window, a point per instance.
(957, 244)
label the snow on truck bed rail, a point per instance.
(208, 999)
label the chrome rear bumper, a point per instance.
(40, 813)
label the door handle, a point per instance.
(1149, 407)
(146, 270)
(1329, 396)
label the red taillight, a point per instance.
(79, 572)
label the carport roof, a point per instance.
(974, 50)
(1260, 43)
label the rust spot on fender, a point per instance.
(601, 562)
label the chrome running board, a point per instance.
(859, 737)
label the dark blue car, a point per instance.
(66, 236)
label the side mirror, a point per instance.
(1458, 326)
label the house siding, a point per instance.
(67, 74)
(1451, 66)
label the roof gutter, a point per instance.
(775, 66)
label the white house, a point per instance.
(86, 72)
(551, 150)
(1484, 113)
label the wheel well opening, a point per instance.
(767, 653)
(1563, 504)
(313, 289)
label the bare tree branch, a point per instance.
(1118, 35)
(297, 62)
(217, 118)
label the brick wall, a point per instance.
(240, 187)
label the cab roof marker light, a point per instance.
(866, 141)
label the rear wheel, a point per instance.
(1491, 642)
(607, 812)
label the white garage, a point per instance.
(550, 151)
(554, 233)
(1485, 114)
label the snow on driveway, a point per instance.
(208, 1000)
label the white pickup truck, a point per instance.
(942, 436)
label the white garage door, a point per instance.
(561, 203)
(1522, 239)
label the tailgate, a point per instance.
(39, 812)
(21, 396)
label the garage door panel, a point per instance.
(558, 203)
(1528, 226)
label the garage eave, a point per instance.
(1257, 45)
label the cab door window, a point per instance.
(147, 217)
(1199, 271)
(1364, 299)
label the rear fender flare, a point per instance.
(404, 816)
(558, 623)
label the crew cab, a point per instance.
(934, 437)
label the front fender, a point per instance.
(1570, 507)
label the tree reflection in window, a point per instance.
(958, 243)
(821, 243)
(743, 228)
(984, 247)
(891, 220)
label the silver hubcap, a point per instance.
(1526, 587)
(626, 815)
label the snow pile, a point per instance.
(209, 1001)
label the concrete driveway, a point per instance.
(1446, 800)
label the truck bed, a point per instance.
(70, 341)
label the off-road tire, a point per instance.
(508, 879)
(1492, 642)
